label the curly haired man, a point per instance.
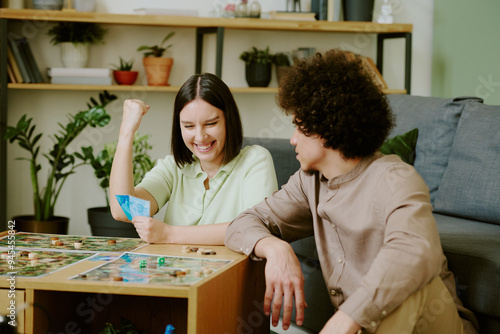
(370, 214)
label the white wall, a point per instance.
(260, 115)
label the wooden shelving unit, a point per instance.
(203, 25)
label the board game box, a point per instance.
(154, 269)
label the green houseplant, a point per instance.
(74, 39)
(258, 64)
(156, 66)
(62, 163)
(123, 73)
(100, 219)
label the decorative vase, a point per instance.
(157, 70)
(74, 54)
(84, 5)
(258, 75)
(280, 71)
(125, 77)
(15, 4)
(56, 225)
(358, 10)
(103, 224)
(48, 4)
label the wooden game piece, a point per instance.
(32, 255)
(186, 270)
(78, 244)
(207, 271)
(83, 276)
(111, 242)
(208, 252)
(59, 243)
(118, 278)
(193, 249)
(197, 273)
(186, 247)
(53, 240)
(24, 253)
(200, 250)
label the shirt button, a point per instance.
(333, 292)
(333, 225)
(339, 260)
(384, 313)
(373, 323)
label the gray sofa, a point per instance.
(458, 156)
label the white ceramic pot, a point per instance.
(74, 54)
(84, 5)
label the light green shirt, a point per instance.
(237, 186)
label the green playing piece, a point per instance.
(143, 264)
(161, 261)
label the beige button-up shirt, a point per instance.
(376, 237)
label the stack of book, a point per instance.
(21, 65)
(296, 16)
(80, 76)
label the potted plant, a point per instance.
(123, 73)
(75, 38)
(156, 66)
(258, 65)
(282, 62)
(100, 219)
(61, 163)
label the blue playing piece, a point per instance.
(133, 206)
(170, 329)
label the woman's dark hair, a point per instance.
(331, 95)
(214, 91)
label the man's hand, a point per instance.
(151, 230)
(284, 281)
(340, 323)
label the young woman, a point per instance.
(207, 181)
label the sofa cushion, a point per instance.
(471, 248)
(283, 153)
(470, 186)
(436, 120)
(402, 145)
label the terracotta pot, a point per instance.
(102, 223)
(125, 77)
(56, 225)
(157, 70)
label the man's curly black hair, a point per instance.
(332, 96)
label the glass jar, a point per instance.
(255, 9)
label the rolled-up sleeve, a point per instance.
(285, 214)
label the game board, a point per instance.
(154, 269)
(37, 263)
(25, 240)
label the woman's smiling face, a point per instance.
(203, 128)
